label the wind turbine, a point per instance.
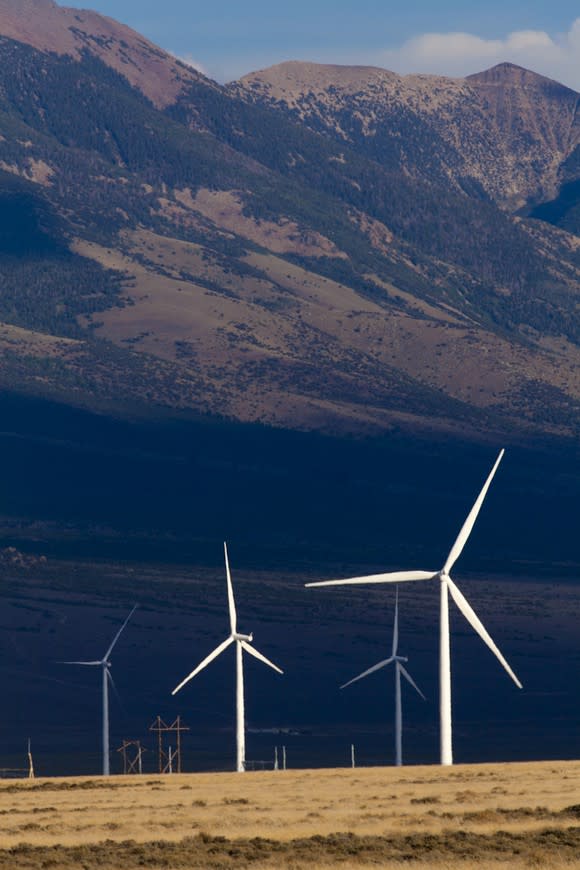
(105, 666)
(399, 669)
(446, 586)
(242, 642)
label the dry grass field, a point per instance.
(505, 815)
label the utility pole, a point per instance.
(132, 752)
(166, 759)
(30, 762)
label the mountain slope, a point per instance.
(44, 25)
(219, 251)
(564, 209)
(505, 131)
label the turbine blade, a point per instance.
(472, 618)
(396, 623)
(392, 577)
(465, 532)
(116, 692)
(374, 668)
(79, 663)
(213, 655)
(118, 635)
(258, 655)
(231, 602)
(410, 679)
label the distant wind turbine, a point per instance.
(446, 585)
(242, 642)
(399, 669)
(105, 666)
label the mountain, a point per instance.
(505, 131)
(330, 248)
(564, 209)
(75, 33)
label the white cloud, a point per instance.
(451, 54)
(459, 54)
(189, 60)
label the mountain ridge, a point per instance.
(47, 26)
(308, 264)
(441, 101)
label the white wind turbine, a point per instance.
(446, 586)
(399, 669)
(105, 666)
(242, 642)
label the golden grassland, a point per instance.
(502, 815)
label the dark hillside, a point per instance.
(564, 210)
(172, 489)
(43, 285)
(28, 225)
(127, 512)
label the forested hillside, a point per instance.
(314, 247)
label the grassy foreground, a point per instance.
(504, 815)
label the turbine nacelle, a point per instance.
(247, 637)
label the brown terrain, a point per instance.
(280, 331)
(495, 816)
(47, 26)
(240, 339)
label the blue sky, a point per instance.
(228, 38)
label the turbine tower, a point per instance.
(399, 669)
(446, 586)
(243, 643)
(105, 666)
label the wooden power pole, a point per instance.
(169, 760)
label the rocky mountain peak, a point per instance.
(506, 75)
(289, 82)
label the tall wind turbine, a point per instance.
(105, 666)
(242, 642)
(446, 586)
(399, 669)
